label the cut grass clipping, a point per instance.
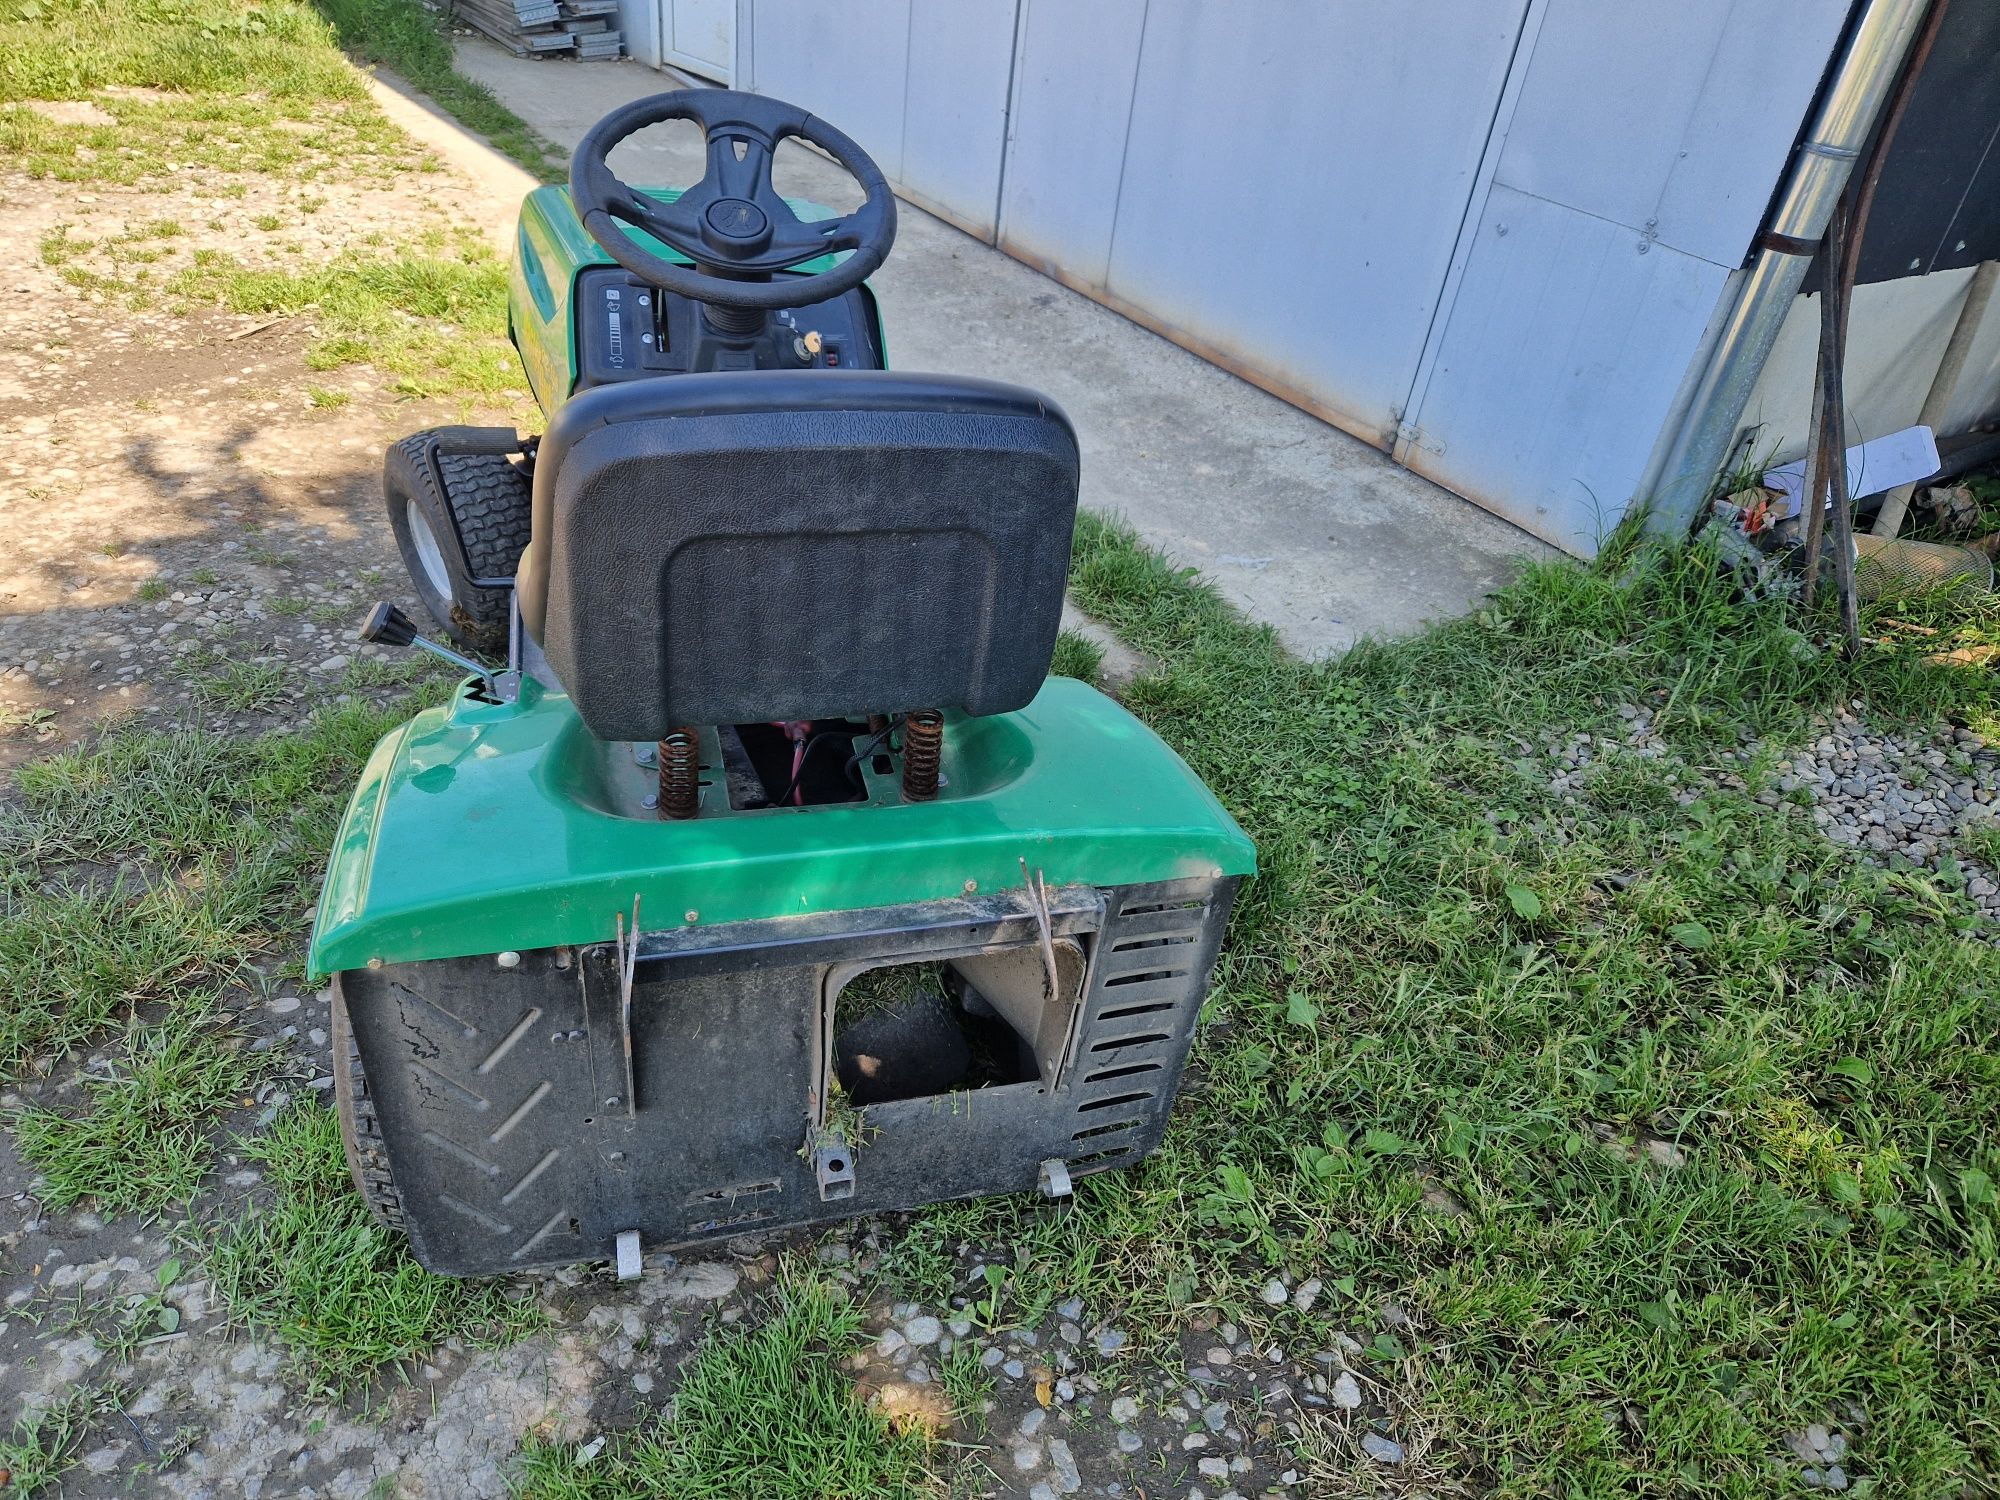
(767, 1412)
(341, 1291)
(142, 1142)
(1458, 1008)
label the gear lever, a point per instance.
(387, 625)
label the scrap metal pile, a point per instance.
(529, 28)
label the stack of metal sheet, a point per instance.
(532, 28)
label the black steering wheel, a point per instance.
(732, 223)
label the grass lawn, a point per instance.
(1462, 1016)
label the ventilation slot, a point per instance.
(1114, 1100)
(1147, 1008)
(1159, 940)
(1106, 1075)
(1145, 976)
(1144, 908)
(733, 1221)
(1116, 1042)
(1096, 1130)
(1097, 1160)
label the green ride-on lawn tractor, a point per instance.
(772, 881)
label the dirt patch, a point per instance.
(72, 112)
(181, 484)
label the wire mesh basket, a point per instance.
(1884, 567)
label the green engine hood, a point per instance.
(479, 828)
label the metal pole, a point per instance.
(1680, 480)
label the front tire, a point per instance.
(486, 502)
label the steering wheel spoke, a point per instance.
(733, 220)
(738, 165)
(664, 219)
(807, 239)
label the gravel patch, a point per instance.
(1891, 795)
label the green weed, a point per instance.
(245, 686)
(968, 1385)
(41, 1449)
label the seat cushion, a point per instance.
(756, 545)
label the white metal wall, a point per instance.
(1487, 234)
(1277, 184)
(921, 85)
(1631, 170)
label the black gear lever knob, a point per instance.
(388, 626)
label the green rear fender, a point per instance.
(477, 829)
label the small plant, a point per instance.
(113, 548)
(267, 222)
(12, 718)
(153, 590)
(206, 578)
(245, 686)
(986, 1311)
(968, 1385)
(325, 398)
(288, 608)
(122, 1327)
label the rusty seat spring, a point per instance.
(680, 774)
(923, 750)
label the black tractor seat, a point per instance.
(760, 545)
